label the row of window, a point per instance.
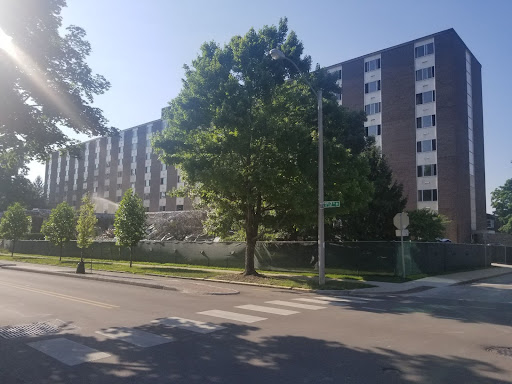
(372, 86)
(427, 195)
(372, 108)
(425, 97)
(372, 65)
(424, 50)
(425, 73)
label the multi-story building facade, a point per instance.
(424, 105)
(108, 166)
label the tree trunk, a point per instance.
(60, 258)
(13, 245)
(130, 256)
(251, 235)
(82, 255)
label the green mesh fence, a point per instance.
(360, 258)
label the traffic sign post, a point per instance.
(401, 221)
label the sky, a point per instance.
(141, 47)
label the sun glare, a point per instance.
(6, 43)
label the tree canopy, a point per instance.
(130, 221)
(60, 226)
(14, 224)
(501, 201)
(244, 132)
(426, 225)
(46, 88)
(86, 223)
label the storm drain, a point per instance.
(502, 351)
(34, 329)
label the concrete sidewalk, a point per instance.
(184, 285)
(435, 281)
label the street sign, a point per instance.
(403, 232)
(401, 222)
(331, 204)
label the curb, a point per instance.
(482, 278)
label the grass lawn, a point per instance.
(295, 280)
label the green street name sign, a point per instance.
(331, 204)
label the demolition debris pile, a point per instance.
(176, 225)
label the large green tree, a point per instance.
(86, 226)
(14, 224)
(60, 226)
(244, 132)
(46, 86)
(375, 221)
(130, 221)
(501, 201)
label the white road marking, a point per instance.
(346, 299)
(190, 325)
(134, 336)
(232, 316)
(295, 305)
(260, 308)
(314, 301)
(68, 352)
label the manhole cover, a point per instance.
(503, 351)
(34, 329)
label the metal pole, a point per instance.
(402, 244)
(321, 235)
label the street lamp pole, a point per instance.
(276, 54)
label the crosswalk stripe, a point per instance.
(295, 305)
(68, 352)
(260, 308)
(314, 301)
(134, 336)
(232, 316)
(346, 299)
(189, 325)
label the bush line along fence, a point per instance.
(355, 257)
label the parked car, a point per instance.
(443, 240)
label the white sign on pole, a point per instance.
(401, 220)
(403, 232)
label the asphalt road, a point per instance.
(111, 333)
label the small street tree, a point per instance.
(130, 221)
(426, 225)
(14, 224)
(501, 201)
(85, 227)
(60, 226)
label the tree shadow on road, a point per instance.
(237, 354)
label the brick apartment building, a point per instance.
(423, 99)
(109, 166)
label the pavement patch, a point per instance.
(68, 352)
(34, 329)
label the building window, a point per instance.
(119, 174)
(120, 150)
(164, 167)
(427, 170)
(179, 207)
(424, 50)
(134, 159)
(372, 65)
(373, 130)
(427, 195)
(107, 171)
(426, 145)
(148, 156)
(425, 97)
(133, 172)
(148, 169)
(162, 181)
(146, 209)
(373, 108)
(425, 73)
(426, 121)
(118, 187)
(148, 143)
(147, 183)
(372, 86)
(162, 208)
(146, 196)
(163, 195)
(339, 74)
(118, 198)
